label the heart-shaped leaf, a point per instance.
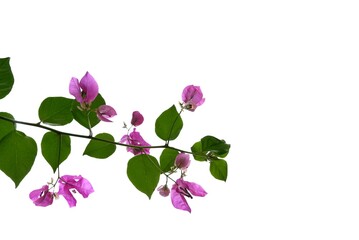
(17, 155)
(144, 172)
(55, 148)
(169, 124)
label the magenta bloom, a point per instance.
(42, 197)
(182, 189)
(74, 183)
(104, 112)
(135, 139)
(164, 190)
(137, 118)
(192, 97)
(182, 161)
(84, 91)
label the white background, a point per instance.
(280, 80)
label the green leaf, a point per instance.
(197, 152)
(81, 116)
(169, 124)
(144, 173)
(219, 169)
(167, 159)
(6, 127)
(100, 149)
(55, 148)
(56, 111)
(6, 77)
(209, 148)
(219, 147)
(17, 155)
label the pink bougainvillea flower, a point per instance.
(182, 161)
(104, 112)
(137, 118)
(192, 97)
(86, 90)
(42, 197)
(164, 190)
(74, 183)
(135, 139)
(182, 189)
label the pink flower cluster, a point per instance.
(68, 185)
(85, 92)
(134, 138)
(182, 189)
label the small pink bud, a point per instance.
(137, 118)
(164, 190)
(182, 161)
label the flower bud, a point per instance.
(182, 161)
(192, 97)
(137, 118)
(164, 190)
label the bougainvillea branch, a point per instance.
(87, 107)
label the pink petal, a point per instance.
(90, 87)
(104, 112)
(75, 90)
(41, 197)
(34, 195)
(71, 200)
(195, 189)
(84, 187)
(178, 200)
(125, 139)
(201, 102)
(45, 200)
